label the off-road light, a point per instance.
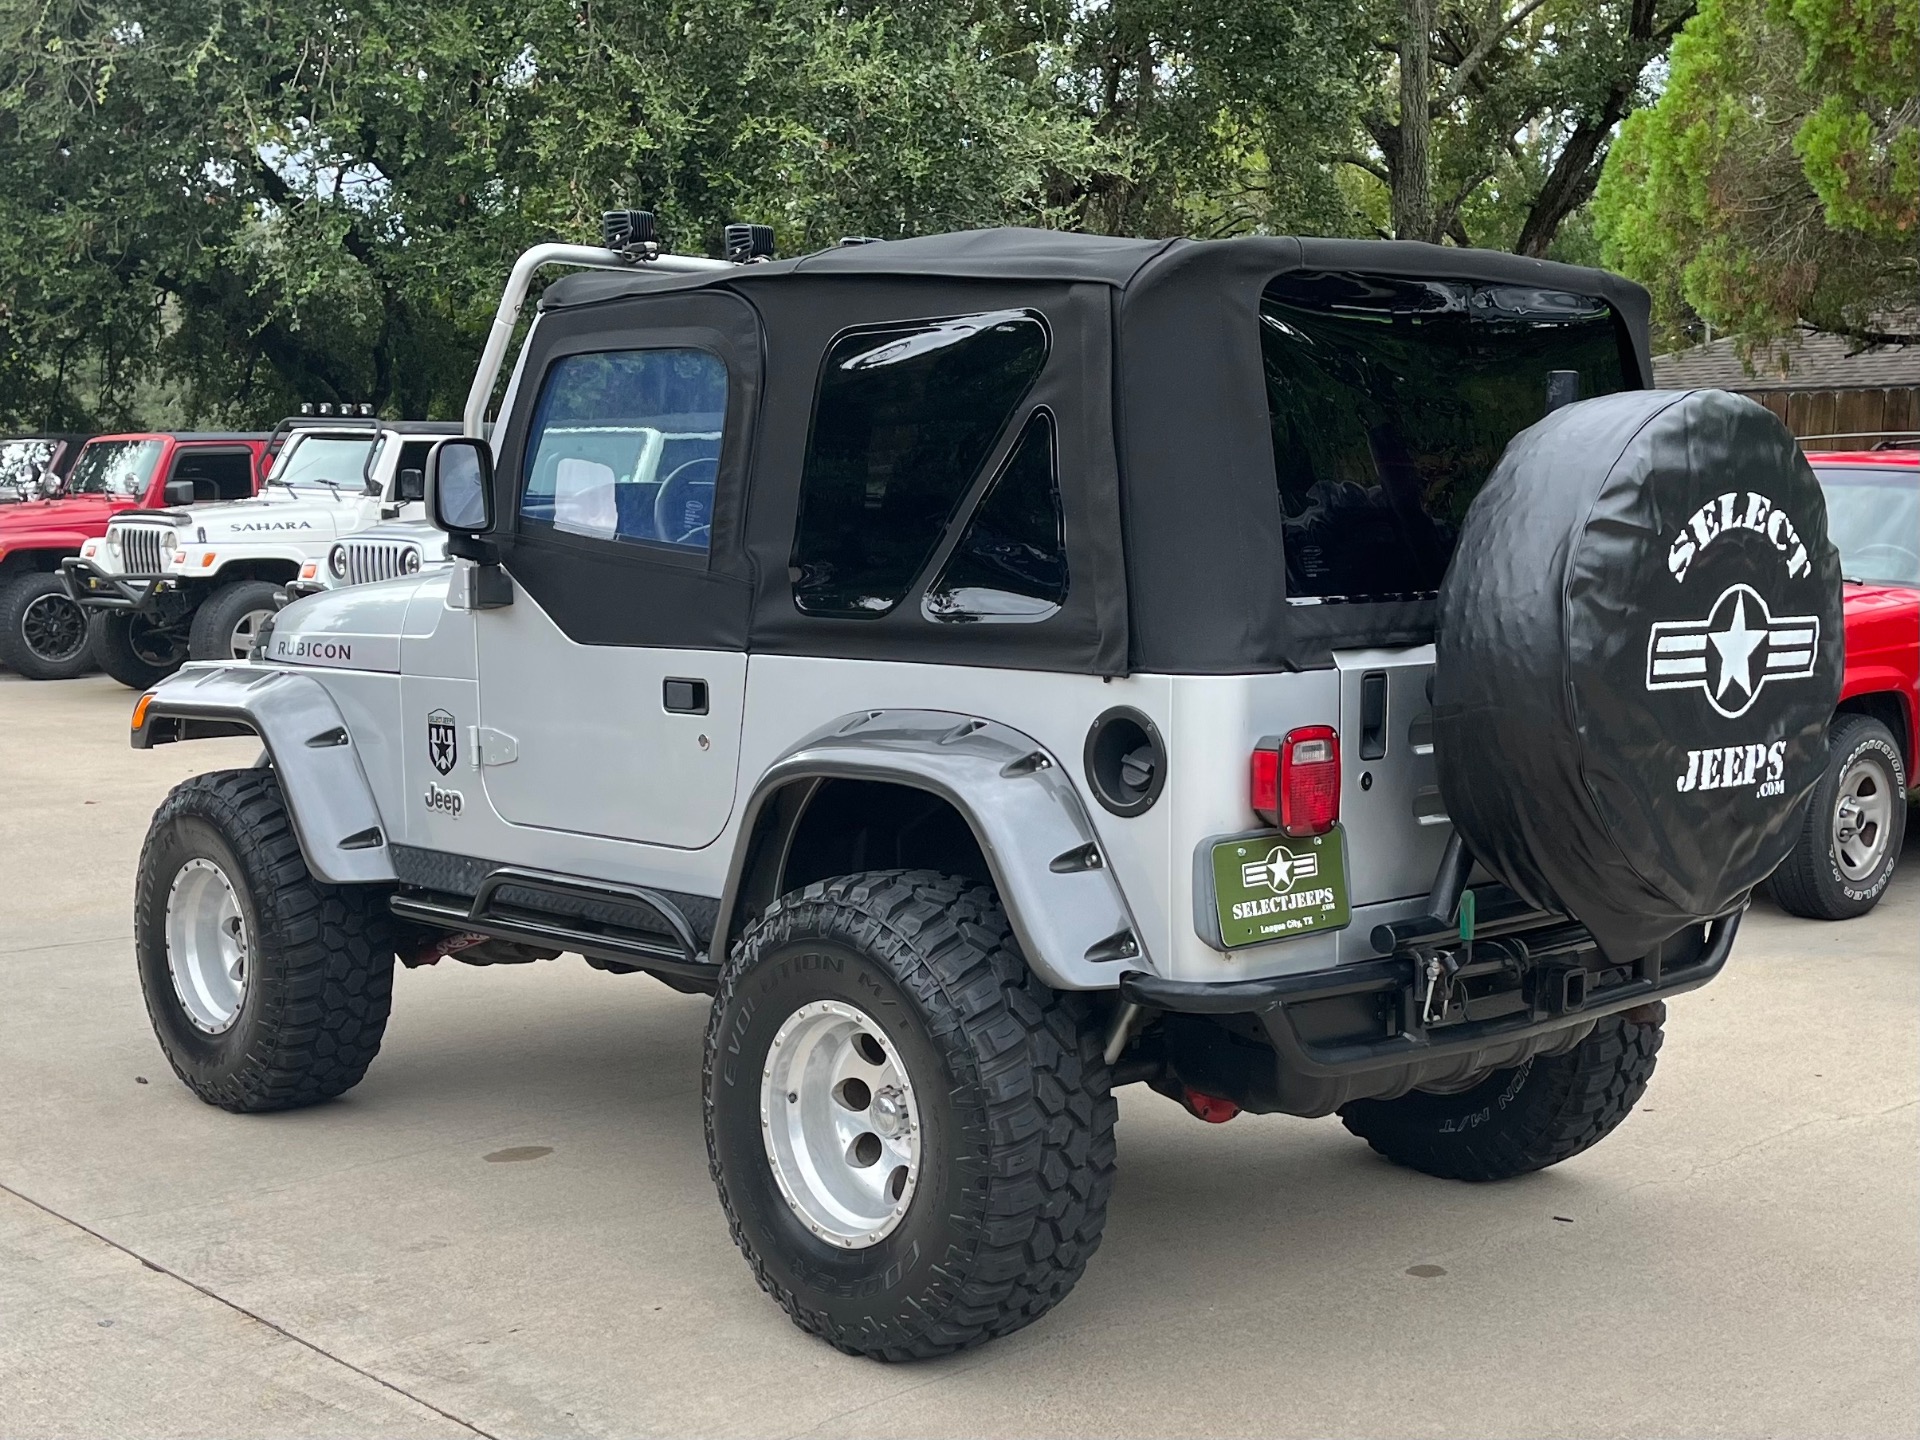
(410, 561)
(337, 562)
(366, 410)
(1295, 780)
(306, 407)
(748, 243)
(628, 229)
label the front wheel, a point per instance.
(1540, 1112)
(43, 630)
(911, 1136)
(229, 620)
(138, 650)
(267, 989)
(1855, 822)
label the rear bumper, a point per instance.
(98, 589)
(1360, 1030)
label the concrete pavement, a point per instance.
(508, 1228)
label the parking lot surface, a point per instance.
(508, 1228)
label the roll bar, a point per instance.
(493, 355)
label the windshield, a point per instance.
(21, 461)
(1873, 518)
(1392, 399)
(324, 459)
(115, 467)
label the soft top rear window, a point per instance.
(1390, 401)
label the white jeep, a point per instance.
(1002, 667)
(197, 582)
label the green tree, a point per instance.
(1489, 120)
(1775, 184)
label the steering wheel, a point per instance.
(677, 517)
(1905, 561)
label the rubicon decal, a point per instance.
(1734, 652)
(1725, 514)
(299, 648)
(443, 741)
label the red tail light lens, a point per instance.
(1296, 780)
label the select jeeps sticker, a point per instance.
(1271, 887)
(443, 741)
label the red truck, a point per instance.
(1857, 816)
(43, 632)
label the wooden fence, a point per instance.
(1845, 412)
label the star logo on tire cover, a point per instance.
(1279, 870)
(1732, 654)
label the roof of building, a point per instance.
(1809, 361)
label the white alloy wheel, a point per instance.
(841, 1126)
(1862, 817)
(207, 945)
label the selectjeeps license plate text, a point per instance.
(1274, 887)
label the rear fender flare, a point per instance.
(311, 749)
(1052, 874)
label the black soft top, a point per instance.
(1203, 588)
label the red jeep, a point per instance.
(1857, 816)
(43, 633)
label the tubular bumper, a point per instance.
(97, 589)
(1367, 1027)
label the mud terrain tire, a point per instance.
(1016, 1120)
(1537, 1114)
(318, 959)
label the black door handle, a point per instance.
(684, 697)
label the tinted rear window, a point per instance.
(905, 418)
(1390, 402)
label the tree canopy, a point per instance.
(211, 210)
(1774, 186)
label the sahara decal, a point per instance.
(443, 741)
(1734, 652)
(1732, 511)
(261, 525)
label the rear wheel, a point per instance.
(227, 622)
(267, 989)
(1855, 823)
(43, 631)
(138, 650)
(1537, 1114)
(912, 1137)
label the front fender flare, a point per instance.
(328, 797)
(1053, 878)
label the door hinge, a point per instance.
(488, 746)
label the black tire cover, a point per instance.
(1639, 650)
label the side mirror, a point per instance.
(459, 486)
(411, 485)
(49, 484)
(177, 492)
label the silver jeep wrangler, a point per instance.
(1307, 677)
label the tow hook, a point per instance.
(1443, 965)
(1213, 1109)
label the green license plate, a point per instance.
(1270, 887)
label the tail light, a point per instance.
(1296, 780)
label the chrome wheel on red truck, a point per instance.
(1855, 824)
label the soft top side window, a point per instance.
(625, 446)
(905, 416)
(1010, 566)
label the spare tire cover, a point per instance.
(1639, 648)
